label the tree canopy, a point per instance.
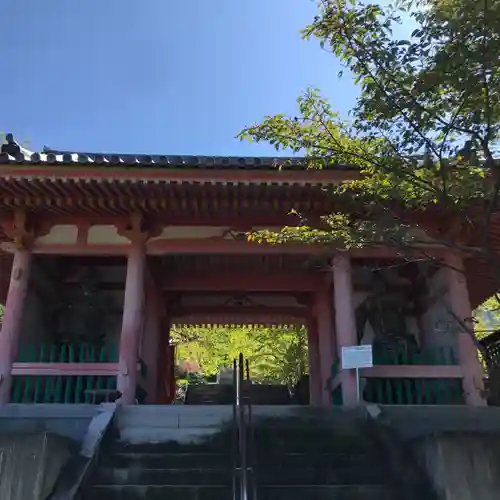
(423, 131)
(277, 354)
(487, 317)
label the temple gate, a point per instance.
(102, 253)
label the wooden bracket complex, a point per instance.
(138, 229)
(22, 230)
(19, 230)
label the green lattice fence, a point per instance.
(409, 391)
(438, 356)
(62, 389)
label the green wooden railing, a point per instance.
(62, 389)
(409, 391)
(437, 356)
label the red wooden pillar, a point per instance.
(345, 321)
(325, 343)
(314, 364)
(467, 351)
(131, 323)
(13, 314)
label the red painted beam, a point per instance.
(209, 176)
(236, 222)
(184, 246)
(226, 246)
(198, 246)
(270, 282)
(249, 320)
(294, 312)
(78, 249)
(238, 247)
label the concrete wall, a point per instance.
(36, 441)
(70, 421)
(30, 464)
(462, 467)
(458, 447)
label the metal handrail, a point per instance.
(240, 482)
(251, 436)
(235, 432)
(242, 432)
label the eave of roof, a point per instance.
(66, 158)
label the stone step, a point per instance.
(173, 417)
(297, 416)
(209, 394)
(294, 440)
(171, 477)
(317, 459)
(214, 416)
(179, 460)
(263, 445)
(161, 492)
(158, 492)
(193, 436)
(270, 439)
(167, 460)
(325, 475)
(216, 444)
(221, 394)
(338, 492)
(351, 431)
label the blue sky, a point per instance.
(157, 76)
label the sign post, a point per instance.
(359, 356)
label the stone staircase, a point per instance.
(319, 455)
(159, 472)
(182, 452)
(167, 452)
(222, 394)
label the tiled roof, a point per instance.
(12, 153)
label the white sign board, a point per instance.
(359, 356)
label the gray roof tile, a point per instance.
(12, 153)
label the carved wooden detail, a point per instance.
(22, 230)
(138, 229)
